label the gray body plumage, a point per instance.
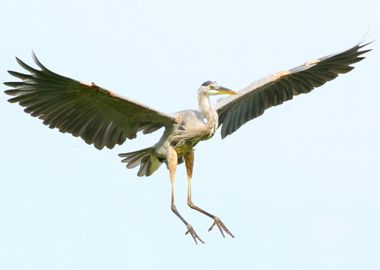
(191, 128)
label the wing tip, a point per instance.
(38, 62)
(362, 45)
(20, 62)
(35, 59)
(10, 92)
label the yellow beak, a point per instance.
(225, 91)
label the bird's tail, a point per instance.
(146, 158)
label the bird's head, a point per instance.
(211, 88)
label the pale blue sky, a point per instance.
(299, 186)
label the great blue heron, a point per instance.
(105, 119)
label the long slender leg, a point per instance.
(189, 161)
(172, 164)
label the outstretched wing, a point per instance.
(95, 114)
(274, 89)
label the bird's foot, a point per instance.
(193, 234)
(222, 228)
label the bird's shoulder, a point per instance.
(189, 117)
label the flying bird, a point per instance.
(105, 119)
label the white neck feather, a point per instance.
(208, 112)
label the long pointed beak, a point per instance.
(225, 91)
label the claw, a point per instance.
(222, 228)
(193, 234)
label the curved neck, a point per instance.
(208, 112)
